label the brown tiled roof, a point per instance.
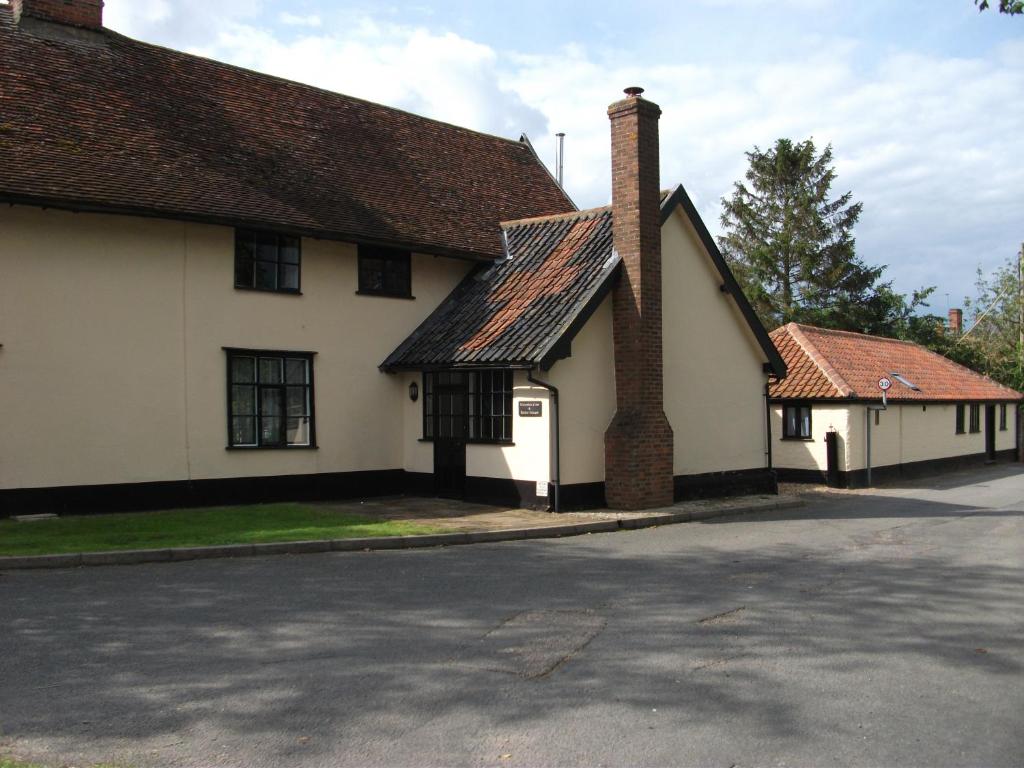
(98, 121)
(826, 364)
(525, 309)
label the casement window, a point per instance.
(1002, 417)
(267, 261)
(270, 399)
(385, 272)
(471, 405)
(960, 418)
(796, 422)
(975, 425)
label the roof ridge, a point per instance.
(809, 349)
(857, 334)
(586, 213)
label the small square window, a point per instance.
(267, 261)
(796, 422)
(975, 425)
(385, 272)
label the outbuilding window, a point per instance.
(796, 422)
(975, 417)
(385, 272)
(959, 418)
(1002, 417)
(270, 399)
(267, 261)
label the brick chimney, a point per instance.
(956, 321)
(75, 13)
(638, 442)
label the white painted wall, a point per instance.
(905, 433)
(112, 368)
(714, 379)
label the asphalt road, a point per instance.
(869, 630)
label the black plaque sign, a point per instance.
(530, 408)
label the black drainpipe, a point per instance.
(768, 424)
(558, 464)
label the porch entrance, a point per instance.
(450, 409)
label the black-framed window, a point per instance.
(1002, 417)
(975, 413)
(385, 272)
(267, 261)
(270, 399)
(487, 407)
(960, 418)
(796, 421)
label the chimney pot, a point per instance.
(633, 90)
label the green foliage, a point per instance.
(250, 524)
(994, 331)
(1011, 7)
(793, 251)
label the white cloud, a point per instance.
(292, 20)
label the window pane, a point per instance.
(270, 402)
(295, 371)
(289, 277)
(244, 272)
(265, 275)
(298, 431)
(805, 422)
(266, 246)
(270, 430)
(270, 370)
(243, 430)
(243, 401)
(297, 401)
(790, 428)
(290, 250)
(243, 370)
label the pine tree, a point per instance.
(793, 249)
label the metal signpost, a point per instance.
(884, 384)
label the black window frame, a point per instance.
(489, 408)
(960, 420)
(786, 433)
(1002, 417)
(389, 258)
(974, 422)
(283, 388)
(252, 238)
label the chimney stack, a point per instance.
(638, 442)
(75, 13)
(956, 321)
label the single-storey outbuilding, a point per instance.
(936, 414)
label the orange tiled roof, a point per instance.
(826, 364)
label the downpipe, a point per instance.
(556, 469)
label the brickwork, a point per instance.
(78, 13)
(638, 442)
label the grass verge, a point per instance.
(250, 524)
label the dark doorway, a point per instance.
(451, 428)
(990, 432)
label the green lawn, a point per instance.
(193, 527)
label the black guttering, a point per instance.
(679, 197)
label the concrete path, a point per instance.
(866, 629)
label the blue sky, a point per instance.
(921, 99)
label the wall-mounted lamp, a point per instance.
(414, 391)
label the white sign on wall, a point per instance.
(542, 488)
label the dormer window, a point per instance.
(267, 261)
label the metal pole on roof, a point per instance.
(560, 157)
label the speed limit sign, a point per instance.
(884, 384)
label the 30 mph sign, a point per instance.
(884, 384)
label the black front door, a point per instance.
(451, 427)
(990, 432)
